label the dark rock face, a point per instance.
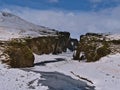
(41, 45)
(72, 44)
(62, 42)
(50, 44)
(92, 47)
(19, 52)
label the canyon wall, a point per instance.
(18, 52)
(93, 46)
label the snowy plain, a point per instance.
(105, 73)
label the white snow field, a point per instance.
(60, 72)
(12, 26)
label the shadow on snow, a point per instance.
(43, 63)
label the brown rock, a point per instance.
(19, 54)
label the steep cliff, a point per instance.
(18, 52)
(93, 46)
(50, 44)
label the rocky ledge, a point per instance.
(18, 52)
(94, 46)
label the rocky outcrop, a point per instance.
(20, 55)
(93, 46)
(50, 44)
(18, 52)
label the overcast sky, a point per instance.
(76, 16)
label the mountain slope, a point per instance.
(12, 26)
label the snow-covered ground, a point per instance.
(105, 74)
(60, 72)
(113, 37)
(16, 79)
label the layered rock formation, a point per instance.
(93, 46)
(19, 39)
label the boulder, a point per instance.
(17, 54)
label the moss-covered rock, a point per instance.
(50, 44)
(94, 47)
(19, 54)
(103, 51)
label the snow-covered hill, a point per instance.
(12, 26)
